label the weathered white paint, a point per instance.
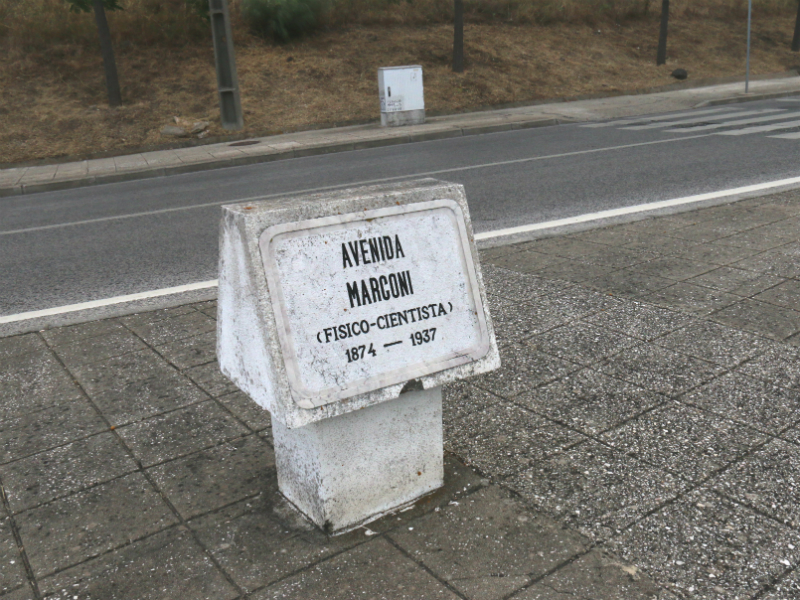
(354, 437)
(402, 95)
(252, 342)
(371, 299)
(351, 469)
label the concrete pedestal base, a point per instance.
(348, 470)
(403, 117)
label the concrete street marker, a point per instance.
(343, 314)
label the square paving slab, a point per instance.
(756, 402)
(779, 365)
(736, 281)
(518, 287)
(181, 432)
(64, 470)
(216, 477)
(13, 569)
(373, 570)
(501, 438)
(595, 489)
(135, 386)
(251, 542)
(683, 440)
(643, 321)
(692, 299)
(523, 368)
(715, 343)
(767, 480)
(704, 546)
(581, 343)
(489, 545)
(101, 347)
(169, 564)
(763, 318)
(70, 530)
(33, 381)
(589, 401)
(36, 432)
(514, 321)
(19, 345)
(597, 574)
(659, 369)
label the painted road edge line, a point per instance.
(486, 235)
(639, 208)
(58, 310)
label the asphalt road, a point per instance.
(73, 246)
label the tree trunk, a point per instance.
(661, 58)
(458, 36)
(796, 38)
(109, 65)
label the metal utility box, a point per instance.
(402, 95)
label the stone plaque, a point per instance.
(367, 300)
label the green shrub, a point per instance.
(283, 20)
(198, 7)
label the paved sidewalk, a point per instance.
(642, 441)
(29, 180)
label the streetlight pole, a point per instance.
(747, 68)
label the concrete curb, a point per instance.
(747, 98)
(340, 139)
(393, 140)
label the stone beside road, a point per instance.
(641, 441)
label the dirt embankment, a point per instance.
(52, 101)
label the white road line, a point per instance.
(58, 310)
(640, 208)
(744, 113)
(688, 113)
(787, 136)
(486, 235)
(162, 211)
(762, 128)
(735, 122)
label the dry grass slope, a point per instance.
(52, 95)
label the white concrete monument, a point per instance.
(342, 314)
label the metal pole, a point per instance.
(747, 68)
(458, 36)
(661, 58)
(107, 49)
(230, 105)
(796, 38)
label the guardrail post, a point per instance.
(458, 36)
(230, 105)
(661, 58)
